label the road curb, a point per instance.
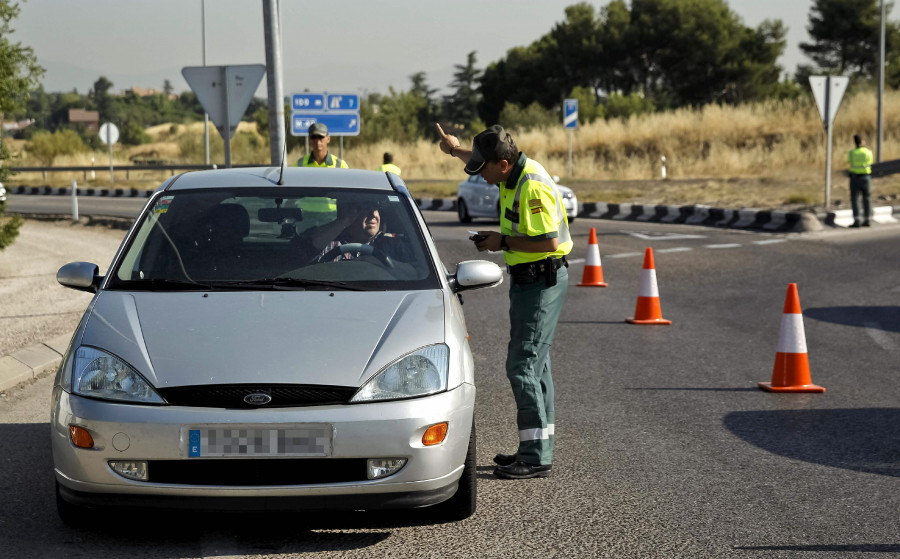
(32, 362)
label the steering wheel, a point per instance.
(363, 249)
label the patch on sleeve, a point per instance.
(536, 203)
(536, 210)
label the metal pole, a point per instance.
(205, 115)
(341, 152)
(112, 178)
(880, 87)
(74, 201)
(272, 24)
(828, 149)
(571, 136)
(227, 133)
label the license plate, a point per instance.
(255, 441)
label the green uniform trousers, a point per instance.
(861, 187)
(534, 310)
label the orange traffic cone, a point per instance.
(593, 269)
(648, 311)
(791, 373)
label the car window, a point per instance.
(276, 238)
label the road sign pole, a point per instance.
(112, 176)
(227, 135)
(571, 137)
(828, 128)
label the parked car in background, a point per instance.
(476, 198)
(2, 193)
(227, 361)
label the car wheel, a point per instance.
(463, 211)
(462, 504)
(74, 516)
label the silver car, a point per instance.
(2, 193)
(476, 198)
(259, 344)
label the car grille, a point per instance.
(232, 395)
(303, 471)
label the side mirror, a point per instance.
(555, 178)
(83, 276)
(475, 274)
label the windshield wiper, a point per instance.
(163, 284)
(286, 284)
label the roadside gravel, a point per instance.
(33, 306)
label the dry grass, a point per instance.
(764, 155)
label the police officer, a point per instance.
(534, 237)
(318, 143)
(388, 165)
(860, 160)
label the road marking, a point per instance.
(677, 249)
(575, 260)
(648, 236)
(768, 241)
(625, 255)
(727, 245)
(881, 338)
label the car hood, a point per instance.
(294, 337)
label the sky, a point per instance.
(350, 46)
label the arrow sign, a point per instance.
(570, 113)
(339, 124)
(224, 91)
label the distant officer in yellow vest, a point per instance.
(388, 165)
(318, 144)
(861, 160)
(534, 237)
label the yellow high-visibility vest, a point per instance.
(389, 168)
(329, 161)
(861, 160)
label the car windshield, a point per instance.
(278, 238)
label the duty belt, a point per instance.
(529, 272)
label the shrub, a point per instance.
(47, 146)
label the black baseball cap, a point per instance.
(487, 146)
(318, 129)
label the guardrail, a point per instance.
(127, 168)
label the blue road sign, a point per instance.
(339, 124)
(308, 102)
(343, 102)
(570, 113)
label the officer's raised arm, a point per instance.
(450, 145)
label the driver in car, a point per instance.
(365, 228)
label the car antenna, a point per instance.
(283, 157)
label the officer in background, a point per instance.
(388, 165)
(861, 160)
(535, 240)
(319, 156)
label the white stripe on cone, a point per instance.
(791, 338)
(648, 286)
(593, 255)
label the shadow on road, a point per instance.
(881, 318)
(863, 440)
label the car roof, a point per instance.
(293, 176)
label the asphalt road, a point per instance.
(665, 446)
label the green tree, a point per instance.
(845, 36)
(47, 146)
(19, 73)
(461, 107)
(102, 99)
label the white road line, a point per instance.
(768, 241)
(626, 255)
(881, 338)
(678, 249)
(575, 260)
(728, 245)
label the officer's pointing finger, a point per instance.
(440, 130)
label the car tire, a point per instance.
(463, 503)
(72, 515)
(462, 210)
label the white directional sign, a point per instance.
(109, 133)
(224, 91)
(570, 113)
(828, 92)
(338, 111)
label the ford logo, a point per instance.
(257, 399)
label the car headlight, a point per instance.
(568, 195)
(419, 373)
(98, 374)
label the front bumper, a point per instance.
(362, 431)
